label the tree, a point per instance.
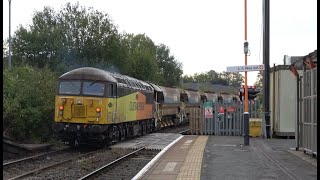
(224, 78)
(5, 55)
(141, 62)
(170, 69)
(236, 80)
(188, 79)
(258, 82)
(70, 38)
(28, 94)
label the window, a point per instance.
(111, 90)
(69, 87)
(93, 88)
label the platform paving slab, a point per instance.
(226, 158)
(182, 161)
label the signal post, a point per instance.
(245, 69)
(246, 111)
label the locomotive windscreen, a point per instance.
(69, 87)
(75, 87)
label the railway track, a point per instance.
(184, 131)
(75, 167)
(130, 163)
(22, 160)
(175, 129)
(27, 166)
(68, 163)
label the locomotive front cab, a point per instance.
(85, 101)
(84, 104)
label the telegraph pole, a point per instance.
(9, 34)
(246, 111)
(266, 75)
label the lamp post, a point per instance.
(9, 34)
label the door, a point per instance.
(112, 103)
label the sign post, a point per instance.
(245, 69)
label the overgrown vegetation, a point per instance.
(28, 98)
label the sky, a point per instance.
(203, 35)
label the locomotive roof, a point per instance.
(155, 87)
(89, 73)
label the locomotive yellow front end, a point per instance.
(84, 105)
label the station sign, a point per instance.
(231, 109)
(245, 68)
(221, 110)
(208, 112)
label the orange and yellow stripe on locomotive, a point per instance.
(134, 107)
(102, 110)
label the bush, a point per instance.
(28, 103)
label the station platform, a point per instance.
(13, 150)
(224, 157)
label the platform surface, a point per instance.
(153, 141)
(224, 157)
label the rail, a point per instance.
(33, 157)
(110, 164)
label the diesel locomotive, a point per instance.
(100, 107)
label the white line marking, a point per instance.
(170, 166)
(149, 165)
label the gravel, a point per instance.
(17, 169)
(130, 166)
(82, 166)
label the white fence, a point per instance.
(308, 112)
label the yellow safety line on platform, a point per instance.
(191, 167)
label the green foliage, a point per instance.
(71, 38)
(170, 69)
(258, 85)
(224, 78)
(58, 41)
(141, 57)
(258, 82)
(76, 37)
(28, 102)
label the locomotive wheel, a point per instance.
(122, 133)
(127, 131)
(114, 134)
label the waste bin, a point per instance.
(255, 127)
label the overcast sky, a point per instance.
(204, 34)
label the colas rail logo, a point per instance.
(136, 106)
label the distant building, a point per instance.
(298, 60)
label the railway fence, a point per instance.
(308, 112)
(223, 118)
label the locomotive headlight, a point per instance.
(98, 110)
(60, 110)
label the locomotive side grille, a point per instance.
(79, 111)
